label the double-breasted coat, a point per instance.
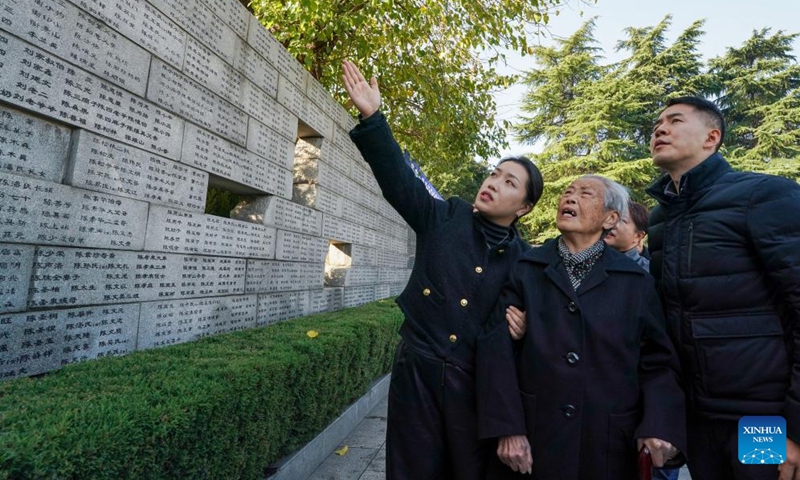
(594, 371)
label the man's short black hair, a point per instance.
(708, 109)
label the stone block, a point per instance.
(45, 213)
(233, 13)
(104, 165)
(341, 230)
(143, 24)
(319, 124)
(363, 255)
(355, 296)
(391, 259)
(16, 269)
(178, 93)
(213, 154)
(338, 160)
(200, 23)
(290, 96)
(382, 291)
(263, 42)
(269, 144)
(39, 81)
(212, 72)
(256, 68)
(72, 35)
(350, 276)
(180, 231)
(69, 277)
(298, 247)
(37, 342)
(269, 276)
(327, 299)
(362, 174)
(280, 213)
(277, 307)
(32, 147)
(178, 321)
(318, 198)
(290, 68)
(265, 109)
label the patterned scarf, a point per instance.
(580, 264)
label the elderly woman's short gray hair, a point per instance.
(615, 196)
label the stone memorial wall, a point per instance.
(116, 117)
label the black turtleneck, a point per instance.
(495, 234)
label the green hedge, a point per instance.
(222, 407)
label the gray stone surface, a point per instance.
(168, 323)
(290, 68)
(363, 255)
(178, 93)
(209, 70)
(233, 13)
(31, 146)
(363, 176)
(389, 275)
(351, 276)
(200, 23)
(16, 268)
(104, 165)
(355, 296)
(69, 95)
(341, 230)
(326, 299)
(269, 144)
(39, 212)
(277, 307)
(41, 341)
(263, 42)
(290, 96)
(69, 276)
(265, 109)
(278, 212)
(143, 24)
(256, 68)
(315, 118)
(360, 214)
(338, 160)
(269, 276)
(382, 291)
(180, 231)
(299, 247)
(316, 197)
(71, 34)
(386, 258)
(211, 153)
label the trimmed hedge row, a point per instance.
(222, 407)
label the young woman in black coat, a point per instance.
(463, 255)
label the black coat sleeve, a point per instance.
(663, 400)
(774, 229)
(401, 188)
(500, 411)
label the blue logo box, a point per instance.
(762, 440)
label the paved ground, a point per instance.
(366, 452)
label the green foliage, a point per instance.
(220, 202)
(223, 407)
(595, 118)
(435, 61)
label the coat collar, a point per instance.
(695, 180)
(611, 261)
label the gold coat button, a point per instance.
(478, 270)
(426, 292)
(500, 251)
(464, 302)
(453, 338)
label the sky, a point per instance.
(728, 24)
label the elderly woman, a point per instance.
(595, 378)
(628, 234)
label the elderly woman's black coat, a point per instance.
(594, 371)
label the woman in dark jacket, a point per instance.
(595, 376)
(463, 255)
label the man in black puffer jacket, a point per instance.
(726, 257)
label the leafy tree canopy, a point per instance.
(436, 63)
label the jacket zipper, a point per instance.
(691, 241)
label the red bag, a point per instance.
(645, 464)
